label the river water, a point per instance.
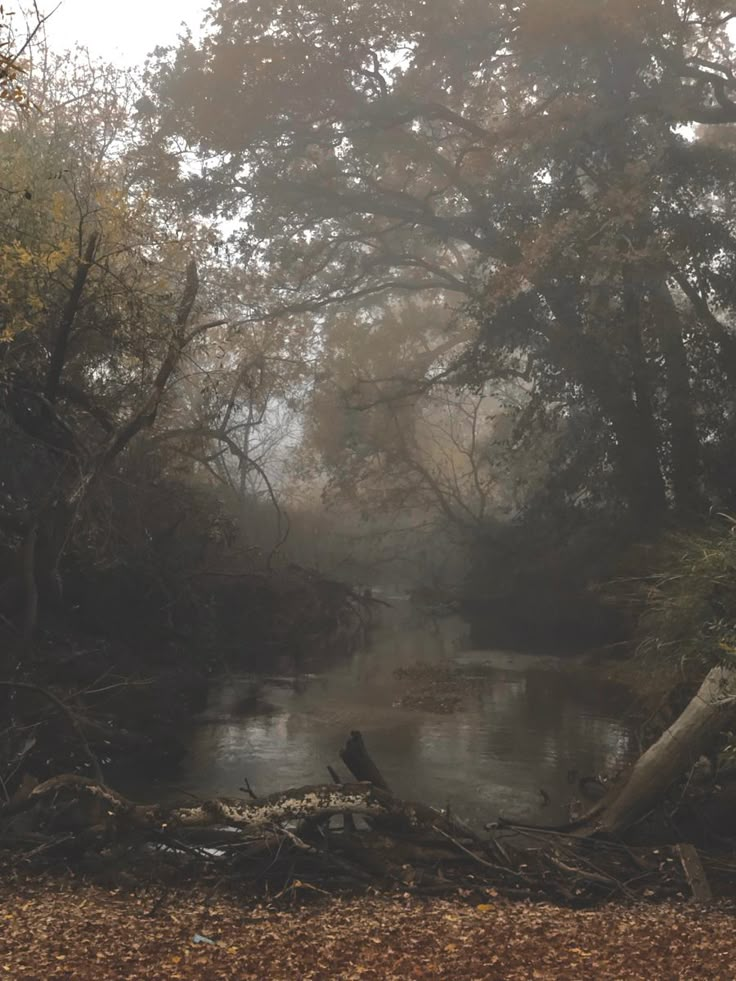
(528, 728)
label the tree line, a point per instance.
(460, 265)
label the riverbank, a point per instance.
(101, 688)
(62, 928)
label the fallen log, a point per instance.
(259, 841)
(255, 844)
(667, 760)
(316, 803)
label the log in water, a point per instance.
(526, 730)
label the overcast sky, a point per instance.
(124, 31)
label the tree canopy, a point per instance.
(466, 265)
(545, 175)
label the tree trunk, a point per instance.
(640, 477)
(68, 316)
(668, 759)
(636, 450)
(685, 455)
(30, 588)
(641, 380)
(719, 332)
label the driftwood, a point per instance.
(256, 842)
(358, 760)
(265, 843)
(667, 760)
(313, 802)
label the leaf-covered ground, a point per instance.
(60, 929)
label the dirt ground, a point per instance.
(67, 930)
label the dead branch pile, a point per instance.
(339, 836)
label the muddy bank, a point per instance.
(63, 929)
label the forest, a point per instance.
(335, 308)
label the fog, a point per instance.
(368, 366)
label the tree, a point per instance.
(13, 47)
(395, 432)
(535, 180)
(98, 303)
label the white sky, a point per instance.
(123, 31)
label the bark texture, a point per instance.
(669, 758)
(312, 802)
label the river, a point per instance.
(527, 730)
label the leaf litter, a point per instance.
(62, 928)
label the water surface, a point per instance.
(528, 730)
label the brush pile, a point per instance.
(339, 836)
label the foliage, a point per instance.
(128, 376)
(478, 271)
(529, 195)
(686, 605)
(12, 50)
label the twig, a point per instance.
(68, 715)
(247, 789)
(482, 861)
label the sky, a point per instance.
(123, 31)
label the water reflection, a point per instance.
(526, 726)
